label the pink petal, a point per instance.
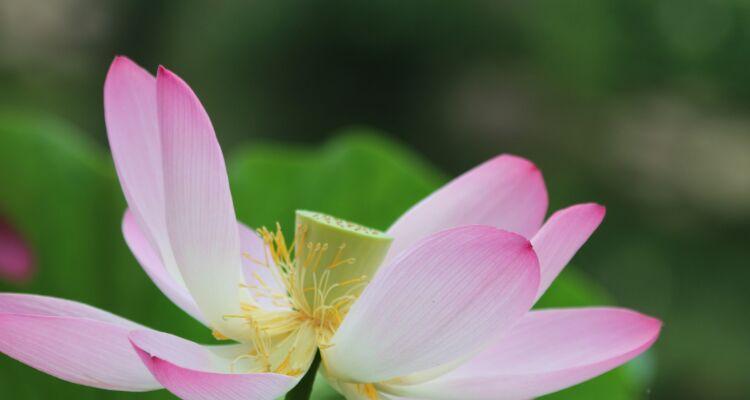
(17, 303)
(130, 112)
(16, 258)
(561, 237)
(152, 264)
(200, 215)
(547, 351)
(506, 192)
(193, 372)
(252, 267)
(441, 300)
(72, 341)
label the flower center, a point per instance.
(303, 290)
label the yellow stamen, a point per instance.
(218, 335)
(368, 389)
(310, 287)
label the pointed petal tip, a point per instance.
(120, 58)
(120, 61)
(123, 73)
(526, 171)
(649, 329)
(506, 191)
(601, 211)
(516, 240)
(169, 83)
(510, 241)
(600, 208)
(596, 209)
(520, 162)
(524, 244)
(562, 235)
(644, 319)
(648, 326)
(163, 73)
(549, 350)
(653, 324)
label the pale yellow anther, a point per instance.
(368, 389)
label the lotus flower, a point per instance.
(16, 258)
(437, 307)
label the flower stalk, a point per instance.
(303, 390)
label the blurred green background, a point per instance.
(362, 108)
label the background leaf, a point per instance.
(360, 176)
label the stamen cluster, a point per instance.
(302, 314)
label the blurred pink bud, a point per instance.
(16, 258)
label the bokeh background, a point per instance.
(641, 105)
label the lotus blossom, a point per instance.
(16, 258)
(436, 307)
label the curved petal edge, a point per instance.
(191, 372)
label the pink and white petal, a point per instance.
(130, 112)
(254, 266)
(561, 237)
(259, 272)
(200, 215)
(194, 372)
(547, 351)
(18, 303)
(16, 257)
(446, 298)
(78, 350)
(149, 259)
(72, 341)
(506, 192)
